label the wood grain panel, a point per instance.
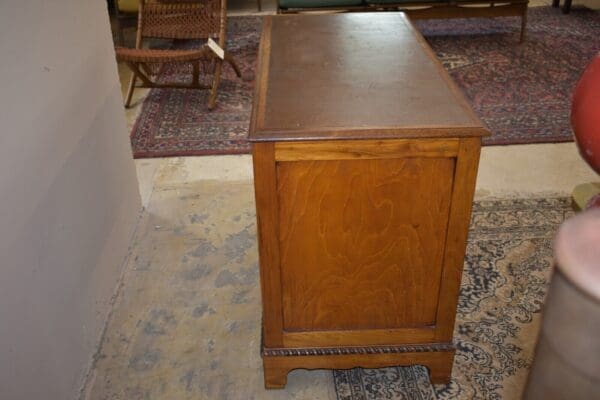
(458, 230)
(365, 149)
(439, 364)
(359, 337)
(361, 242)
(265, 189)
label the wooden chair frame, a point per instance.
(139, 59)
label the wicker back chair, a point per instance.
(178, 19)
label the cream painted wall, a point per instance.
(69, 198)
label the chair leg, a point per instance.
(567, 6)
(212, 99)
(233, 64)
(196, 73)
(147, 70)
(555, 3)
(130, 90)
(120, 34)
(523, 25)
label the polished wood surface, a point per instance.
(362, 234)
(364, 149)
(276, 368)
(358, 337)
(359, 241)
(267, 216)
(366, 75)
(467, 162)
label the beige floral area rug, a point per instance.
(507, 271)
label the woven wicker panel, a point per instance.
(181, 20)
(161, 56)
(179, 1)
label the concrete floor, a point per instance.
(186, 322)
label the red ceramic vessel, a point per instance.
(585, 114)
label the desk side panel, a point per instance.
(362, 242)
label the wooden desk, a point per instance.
(365, 158)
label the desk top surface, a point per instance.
(353, 76)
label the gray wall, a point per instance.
(69, 198)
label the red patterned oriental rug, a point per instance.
(522, 92)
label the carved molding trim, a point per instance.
(338, 351)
